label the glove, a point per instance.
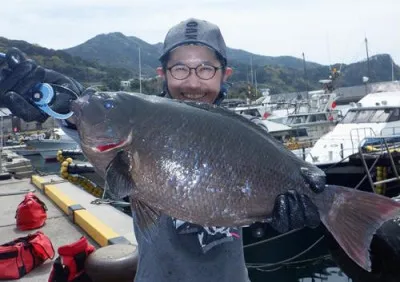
(18, 79)
(293, 211)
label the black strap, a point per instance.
(21, 271)
(8, 255)
(80, 259)
(60, 273)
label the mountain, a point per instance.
(118, 50)
(241, 56)
(283, 73)
(108, 58)
(380, 69)
(81, 69)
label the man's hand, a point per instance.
(293, 211)
(20, 76)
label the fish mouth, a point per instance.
(107, 147)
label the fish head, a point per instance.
(102, 120)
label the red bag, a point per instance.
(31, 213)
(20, 256)
(69, 266)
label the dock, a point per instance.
(70, 215)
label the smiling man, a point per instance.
(194, 62)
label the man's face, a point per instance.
(193, 87)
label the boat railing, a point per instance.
(378, 147)
(392, 130)
(358, 134)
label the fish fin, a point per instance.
(353, 217)
(118, 179)
(315, 180)
(146, 218)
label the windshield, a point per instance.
(296, 120)
(370, 115)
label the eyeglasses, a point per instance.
(203, 71)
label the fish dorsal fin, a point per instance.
(118, 178)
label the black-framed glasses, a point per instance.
(203, 71)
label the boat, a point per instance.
(299, 122)
(376, 114)
(47, 147)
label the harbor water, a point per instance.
(315, 270)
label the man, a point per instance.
(194, 67)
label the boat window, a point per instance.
(321, 117)
(313, 118)
(364, 116)
(395, 115)
(251, 112)
(381, 115)
(301, 132)
(349, 117)
(297, 119)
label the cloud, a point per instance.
(326, 31)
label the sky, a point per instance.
(326, 31)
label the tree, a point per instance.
(112, 83)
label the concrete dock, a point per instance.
(70, 216)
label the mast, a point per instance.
(366, 48)
(251, 70)
(255, 81)
(392, 68)
(140, 73)
(305, 73)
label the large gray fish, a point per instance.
(209, 166)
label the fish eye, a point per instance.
(108, 104)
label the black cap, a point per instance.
(194, 31)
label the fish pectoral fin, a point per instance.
(119, 181)
(315, 181)
(146, 217)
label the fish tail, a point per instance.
(353, 217)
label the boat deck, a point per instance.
(70, 215)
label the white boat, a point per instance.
(303, 120)
(376, 114)
(316, 115)
(48, 148)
